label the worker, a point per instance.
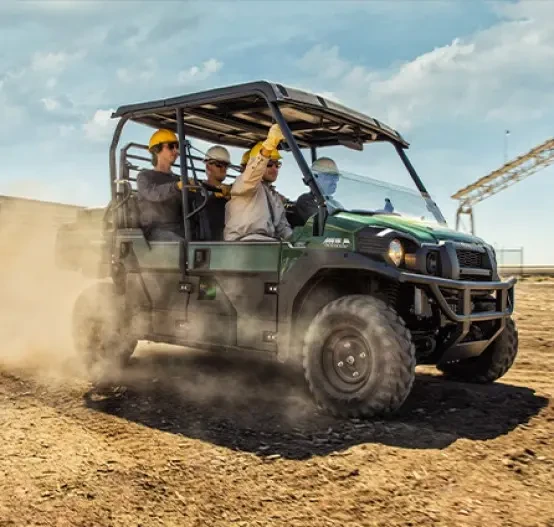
(326, 174)
(217, 160)
(159, 190)
(255, 210)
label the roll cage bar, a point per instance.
(231, 116)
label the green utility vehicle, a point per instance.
(369, 286)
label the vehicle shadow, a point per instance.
(266, 409)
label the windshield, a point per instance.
(344, 178)
(361, 194)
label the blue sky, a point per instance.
(451, 76)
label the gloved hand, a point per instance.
(179, 185)
(225, 190)
(274, 137)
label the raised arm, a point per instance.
(252, 176)
(247, 182)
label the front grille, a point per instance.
(470, 259)
(367, 245)
(367, 241)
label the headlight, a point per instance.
(396, 252)
(432, 262)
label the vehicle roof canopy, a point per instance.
(239, 116)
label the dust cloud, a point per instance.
(36, 297)
(37, 300)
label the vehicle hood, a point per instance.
(423, 231)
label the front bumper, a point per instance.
(462, 313)
(504, 291)
(453, 274)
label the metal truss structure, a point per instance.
(520, 168)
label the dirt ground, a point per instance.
(190, 438)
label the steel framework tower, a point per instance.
(521, 167)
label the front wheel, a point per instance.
(492, 364)
(101, 332)
(358, 357)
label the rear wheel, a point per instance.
(358, 357)
(101, 331)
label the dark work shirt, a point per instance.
(306, 206)
(159, 200)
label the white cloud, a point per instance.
(129, 76)
(50, 104)
(198, 74)
(494, 76)
(54, 63)
(49, 62)
(329, 95)
(101, 126)
(141, 73)
(524, 9)
(500, 74)
(325, 62)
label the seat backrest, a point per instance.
(215, 211)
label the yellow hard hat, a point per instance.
(162, 136)
(245, 157)
(275, 155)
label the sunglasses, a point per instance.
(172, 146)
(218, 164)
(274, 164)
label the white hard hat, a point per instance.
(217, 153)
(325, 165)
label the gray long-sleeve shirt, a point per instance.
(159, 200)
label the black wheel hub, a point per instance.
(346, 360)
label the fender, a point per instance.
(304, 268)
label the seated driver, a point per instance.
(255, 210)
(159, 191)
(326, 173)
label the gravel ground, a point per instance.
(189, 438)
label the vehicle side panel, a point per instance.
(226, 297)
(244, 272)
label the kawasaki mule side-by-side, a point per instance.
(369, 286)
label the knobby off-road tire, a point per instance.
(101, 329)
(492, 364)
(358, 358)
